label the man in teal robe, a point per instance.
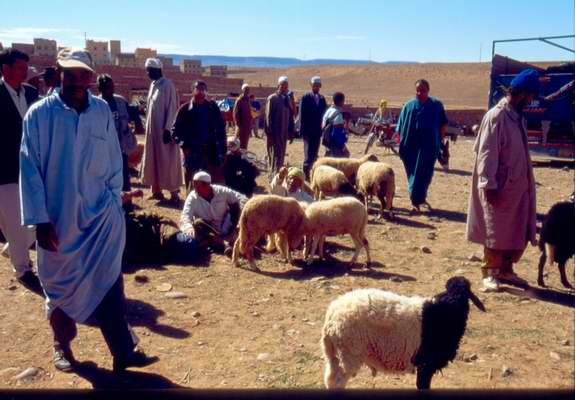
(421, 127)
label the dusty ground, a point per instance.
(262, 330)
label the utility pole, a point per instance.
(480, 49)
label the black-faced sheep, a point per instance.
(377, 178)
(348, 166)
(557, 239)
(336, 216)
(328, 180)
(393, 333)
(266, 215)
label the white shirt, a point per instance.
(216, 211)
(18, 97)
(280, 189)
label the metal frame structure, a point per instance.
(546, 39)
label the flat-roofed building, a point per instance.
(220, 71)
(191, 66)
(45, 48)
(142, 54)
(98, 51)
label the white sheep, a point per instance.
(348, 166)
(265, 215)
(328, 180)
(377, 178)
(336, 216)
(394, 333)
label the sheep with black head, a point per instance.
(394, 333)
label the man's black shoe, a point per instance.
(63, 360)
(136, 359)
(30, 281)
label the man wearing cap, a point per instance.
(200, 131)
(312, 107)
(278, 114)
(243, 117)
(501, 214)
(15, 98)
(70, 183)
(161, 166)
(239, 174)
(211, 214)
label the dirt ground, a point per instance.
(457, 85)
(241, 329)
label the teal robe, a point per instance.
(418, 127)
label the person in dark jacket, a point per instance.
(312, 107)
(200, 131)
(239, 173)
(15, 98)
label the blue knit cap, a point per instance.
(526, 81)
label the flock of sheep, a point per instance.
(380, 329)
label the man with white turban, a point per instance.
(161, 164)
(278, 114)
(311, 108)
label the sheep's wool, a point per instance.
(375, 327)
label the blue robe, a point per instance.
(71, 176)
(418, 127)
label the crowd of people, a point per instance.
(64, 180)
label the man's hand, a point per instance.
(491, 196)
(47, 237)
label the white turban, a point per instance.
(282, 79)
(315, 79)
(153, 63)
(244, 86)
(202, 176)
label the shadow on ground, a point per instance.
(105, 379)
(331, 268)
(140, 313)
(547, 295)
(452, 171)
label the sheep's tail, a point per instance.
(333, 374)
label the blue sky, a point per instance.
(384, 30)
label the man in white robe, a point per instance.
(161, 166)
(70, 185)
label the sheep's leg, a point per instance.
(382, 206)
(366, 245)
(389, 202)
(564, 280)
(236, 254)
(358, 246)
(424, 376)
(314, 244)
(321, 243)
(250, 256)
(271, 245)
(542, 261)
(550, 250)
(283, 244)
(307, 246)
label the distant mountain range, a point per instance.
(268, 62)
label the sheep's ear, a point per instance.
(476, 301)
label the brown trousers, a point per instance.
(499, 261)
